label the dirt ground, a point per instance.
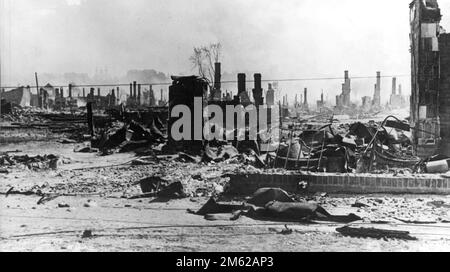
(93, 200)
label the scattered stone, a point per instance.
(375, 233)
(63, 205)
(67, 141)
(86, 150)
(358, 204)
(87, 234)
(438, 204)
(219, 189)
(197, 177)
(90, 204)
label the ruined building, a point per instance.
(20, 96)
(366, 103)
(430, 76)
(343, 100)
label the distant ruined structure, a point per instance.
(343, 100)
(270, 96)
(397, 100)
(376, 102)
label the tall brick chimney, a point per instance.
(217, 76)
(306, 97)
(131, 90)
(139, 94)
(270, 96)
(379, 79)
(257, 91)
(394, 85)
(241, 84)
(377, 93)
(70, 90)
(258, 79)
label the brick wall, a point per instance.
(341, 183)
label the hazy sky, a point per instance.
(281, 39)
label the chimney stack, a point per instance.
(379, 80)
(139, 94)
(377, 94)
(258, 78)
(257, 91)
(70, 90)
(306, 97)
(134, 90)
(346, 75)
(217, 76)
(241, 84)
(394, 86)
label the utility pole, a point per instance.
(37, 88)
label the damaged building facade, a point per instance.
(430, 73)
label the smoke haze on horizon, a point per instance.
(280, 39)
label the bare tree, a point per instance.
(204, 58)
